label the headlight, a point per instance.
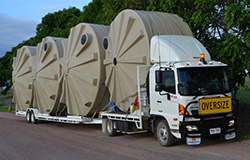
(192, 128)
(231, 123)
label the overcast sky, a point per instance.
(19, 18)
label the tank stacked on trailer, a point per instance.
(128, 45)
(46, 76)
(84, 92)
(66, 77)
(95, 64)
(23, 66)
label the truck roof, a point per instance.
(176, 48)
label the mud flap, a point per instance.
(104, 125)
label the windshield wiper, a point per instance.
(198, 89)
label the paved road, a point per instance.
(55, 141)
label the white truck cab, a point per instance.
(187, 95)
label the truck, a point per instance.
(184, 95)
(148, 64)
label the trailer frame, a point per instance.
(62, 119)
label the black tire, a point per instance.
(32, 118)
(28, 116)
(164, 136)
(111, 131)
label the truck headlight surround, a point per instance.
(231, 123)
(192, 128)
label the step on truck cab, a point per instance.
(183, 95)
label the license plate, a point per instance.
(193, 141)
(215, 105)
(230, 136)
(215, 130)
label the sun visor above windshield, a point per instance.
(174, 48)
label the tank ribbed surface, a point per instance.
(22, 77)
(84, 91)
(129, 46)
(46, 78)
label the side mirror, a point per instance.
(158, 76)
(158, 80)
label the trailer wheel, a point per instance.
(32, 118)
(110, 128)
(28, 116)
(164, 136)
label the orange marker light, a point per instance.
(182, 110)
(202, 56)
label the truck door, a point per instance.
(166, 100)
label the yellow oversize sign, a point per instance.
(215, 105)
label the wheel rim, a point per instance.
(32, 118)
(28, 116)
(163, 134)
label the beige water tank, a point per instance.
(84, 90)
(128, 45)
(22, 77)
(46, 77)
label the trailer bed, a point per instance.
(62, 119)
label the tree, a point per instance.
(105, 11)
(92, 13)
(56, 24)
(112, 8)
(6, 72)
(222, 26)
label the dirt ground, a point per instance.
(52, 141)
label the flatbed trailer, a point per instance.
(32, 116)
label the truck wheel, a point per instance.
(28, 116)
(164, 136)
(110, 128)
(32, 118)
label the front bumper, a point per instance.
(215, 125)
(202, 128)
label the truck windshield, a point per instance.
(202, 81)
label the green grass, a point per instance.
(243, 96)
(244, 93)
(4, 109)
(246, 136)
